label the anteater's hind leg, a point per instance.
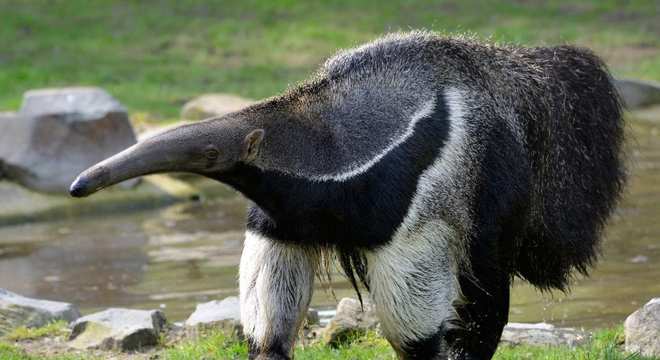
(416, 291)
(484, 307)
(413, 286)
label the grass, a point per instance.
(54, 329)
(9, 351)
(605, 345)
(218, 346)
(155, 56)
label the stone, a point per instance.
(212, 105)
(542, 334)
(650, 114)
(642, 329)
(326, 315)
(17, 311)
(224, 315)
(350, 321)
(639, 259)
(118, 329)
(313, 317)
(638, 93)
(60, 132)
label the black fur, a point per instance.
(427, 348)
(574, 138)
(273, 351)
(362, 212)
(350, 216)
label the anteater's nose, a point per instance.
(79, 187)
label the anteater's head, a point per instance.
(208, 148)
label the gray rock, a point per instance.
(118, 329)
(313, 317)
(642, 329)
(211, 105)
(326, 315)
(213, 311)
(349, 322)
(58, 133)
(17, 310)
(638, 93)
(222, 315)
(542, 334)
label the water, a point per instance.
(175, 257)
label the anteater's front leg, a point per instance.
(276, 283)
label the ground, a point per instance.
(48, 343)
(155, 56)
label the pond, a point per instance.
(176, 257)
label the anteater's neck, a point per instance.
(364, 209)
(280, 196)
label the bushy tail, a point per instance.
(575, 141)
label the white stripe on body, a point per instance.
(276, 283)
(413, 280)
(425, 110)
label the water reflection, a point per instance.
(175, 257)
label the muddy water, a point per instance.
(175, 257)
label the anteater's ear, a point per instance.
(251, 145)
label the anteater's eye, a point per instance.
(211, 153)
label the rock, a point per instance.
(326, 315)
(310, 334)
(118, 329)
(542, 334)
(17, 310)
(58, 133)
(642, 329)
(225, 315)
(349, 322)
(638, 93)
(313, 317)
(639, 259)
(210, 105)
(213, 311)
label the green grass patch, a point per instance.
(218, 346)
(54, 329)
(153, 56)
(214, 345)
(12, 352)
(605, 345)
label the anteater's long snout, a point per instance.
(151, 156)
(130, 163)
(90, 181)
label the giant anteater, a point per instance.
(434, 168)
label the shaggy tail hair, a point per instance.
(574, 138)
